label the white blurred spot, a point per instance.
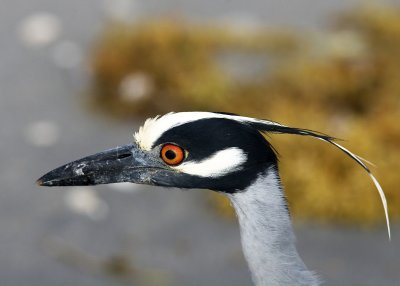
(40, 29)
(42, 133)
(241, 23)
(125, 187)
(136, 86)
(345, 44)
(122, 10)
(85, 201)
(67, 55)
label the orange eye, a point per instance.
(172, 154)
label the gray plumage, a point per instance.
(267, 236)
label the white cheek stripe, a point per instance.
(218, 164)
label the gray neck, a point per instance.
(267, 235)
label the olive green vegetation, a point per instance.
(343, 82)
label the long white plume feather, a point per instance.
(355, 157)
(377, 185)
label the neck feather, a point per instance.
(267, 235)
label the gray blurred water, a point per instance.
(169, 236)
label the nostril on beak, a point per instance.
(123, 156)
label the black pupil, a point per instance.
(170, 155)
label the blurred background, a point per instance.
(77, 77)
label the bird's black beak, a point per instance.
(122, 164)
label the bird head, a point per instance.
(203, 150)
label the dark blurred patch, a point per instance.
(118, 266)
(165, 65)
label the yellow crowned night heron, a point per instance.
(222, 152)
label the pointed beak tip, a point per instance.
(42, 183)
(110, 166)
